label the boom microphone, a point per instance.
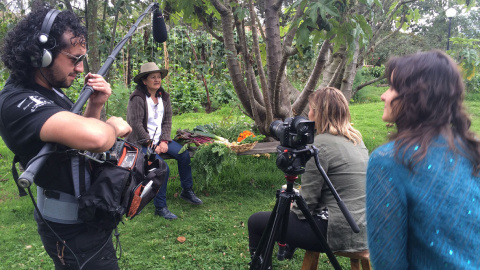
(158, 27)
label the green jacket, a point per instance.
(345, 165)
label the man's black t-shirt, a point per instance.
(23, 113)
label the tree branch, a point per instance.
(402, 21)
(287, 52)
(302, 100)
(208, 28)
(261, 73)
(277, 5)
(288, 40)
(390, 17)
(220, 7)
(366, 84)
(232, 56)
(337, 72)
(260, 26)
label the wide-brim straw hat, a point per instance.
(148, 68)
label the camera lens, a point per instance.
(276, 129)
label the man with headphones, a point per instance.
(44, 53)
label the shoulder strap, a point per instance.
(21, 191)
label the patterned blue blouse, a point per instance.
(428, 218)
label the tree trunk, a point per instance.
(231, 54)
(167, 64)
(349, 75)
(114, 30)
(281, 102)
(300, 107)
(208, 108)
(92, 42)
(334, 62)
(261, 72)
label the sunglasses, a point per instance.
(76, 59)
(155, 109)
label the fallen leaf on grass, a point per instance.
(181, 239)
(175, 195)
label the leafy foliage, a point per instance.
(373, 71)
(473, 85)
(467, 54)
(210, 159)
(185, 95)
(253, 138)
(230, 130)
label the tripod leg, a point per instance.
(277, 219)
(259, 256)
(282, 233)
(303, 207)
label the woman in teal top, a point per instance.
(423, 187)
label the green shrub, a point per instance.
(373, 71)
(117, 103)
(185, 93)
(209, 160)
(473, 85)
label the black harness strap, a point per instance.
(21, 191)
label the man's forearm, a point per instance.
(93, 111)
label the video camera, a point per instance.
(293, 132)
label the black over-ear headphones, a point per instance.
(47, 57)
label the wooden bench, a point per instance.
(357, 260)
(260, 148)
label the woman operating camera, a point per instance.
(343, 156)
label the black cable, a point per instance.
(61, 240)
(51, 229)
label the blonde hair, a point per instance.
(331, 114)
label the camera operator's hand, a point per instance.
(162, 148)
(102, 89)
(122, 128)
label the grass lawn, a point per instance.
(216, 232)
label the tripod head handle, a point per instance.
(348, 217)
(340, 203)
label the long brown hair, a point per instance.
(331, 114)
(430, 103)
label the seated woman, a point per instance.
(149, 113)
(343, 156)
(423, 187)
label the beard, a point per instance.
(56, 77)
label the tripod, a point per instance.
(293, 161)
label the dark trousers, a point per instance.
(91, 249)
(184, 170)
(299, 233)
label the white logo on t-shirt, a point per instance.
(33, 102)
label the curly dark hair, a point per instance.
(430, 103)
(21, 46)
